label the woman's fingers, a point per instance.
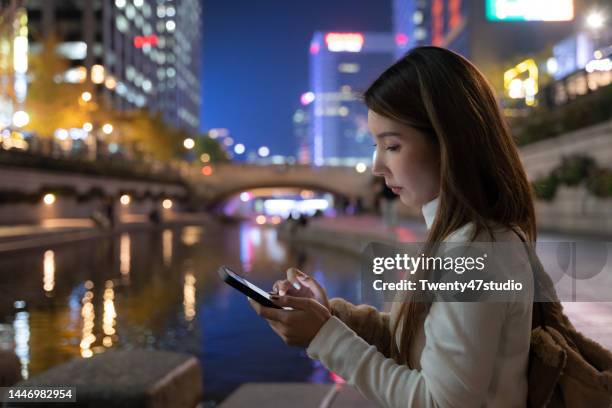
(283, 287)
(268, 313)
(299, 303)
(309, 283)
(292, 276)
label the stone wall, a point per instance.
(573, 210)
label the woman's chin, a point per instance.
(409, 200)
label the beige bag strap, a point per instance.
(540, 308)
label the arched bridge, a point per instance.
(229, 179)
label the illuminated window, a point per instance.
(130, 12)
(344, 42)
(417, 17)
(73, 50)
(348, 68)
(122, 24)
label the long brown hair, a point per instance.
(481, 176)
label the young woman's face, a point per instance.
(407, 158)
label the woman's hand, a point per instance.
(296, 327)
(298, 284)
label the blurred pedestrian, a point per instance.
(109, 211)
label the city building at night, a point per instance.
(301, 125)
(580, 64)
(490, 33)
(134, 54)
(342, 66)
(410, 24)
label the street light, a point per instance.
(107, 128)
(88, 127)
(86, 96)
(49, 199)
(97, 74)
(21, 118)
(595, 20)
(263, 151)
(239, 148)
(189, 143)
(207, 170)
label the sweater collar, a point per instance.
(429, 211)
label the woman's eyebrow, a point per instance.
(385, 134)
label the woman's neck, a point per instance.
(429, 211)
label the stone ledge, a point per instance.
(10, 369)
(135, 378)
(296, 395)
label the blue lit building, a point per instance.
(342, 66)
(410, 24)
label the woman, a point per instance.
(442, 145)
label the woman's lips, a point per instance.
(396, 190)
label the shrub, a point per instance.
(600, 183)
(545, 188)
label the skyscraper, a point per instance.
(137, 53)
(342, 65)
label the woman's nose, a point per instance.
(378, 167)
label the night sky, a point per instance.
(255, 61)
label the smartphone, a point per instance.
(239, 283)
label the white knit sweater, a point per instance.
(466, 354)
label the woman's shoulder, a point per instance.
(497, 233)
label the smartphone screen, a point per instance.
(247, 283)
(244, 286)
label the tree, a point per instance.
(150, 133)
(51, 102)
(205, 144)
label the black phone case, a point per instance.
(227, 278)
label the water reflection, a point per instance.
(88, 314)
(167, 237)
(191, 235)
(249, 238)
(49, 272)
(21, 325)
(125, 258)
(174, 301)
(189, 297)
(109, 315)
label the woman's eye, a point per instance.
(392, 148)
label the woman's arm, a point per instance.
(457, 362)
(369, 324)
